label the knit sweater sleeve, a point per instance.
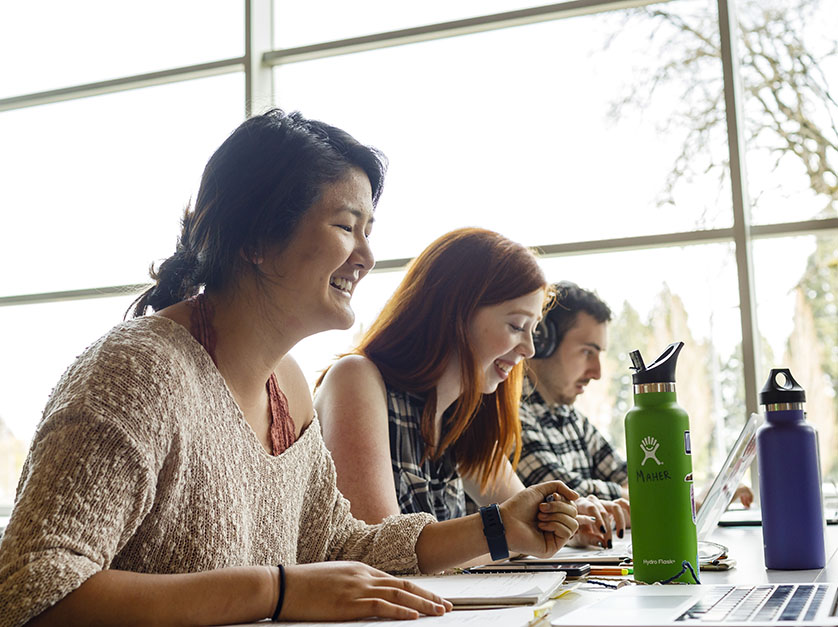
(85, 490)
(87, 483)
(329, 532)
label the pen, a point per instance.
(607, 572)
(552, 497)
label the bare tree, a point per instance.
(790, 111)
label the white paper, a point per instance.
(507, 617)
(501, 588)
(620, 552)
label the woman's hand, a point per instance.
(599, 520)
(351, 590)
(536, 527)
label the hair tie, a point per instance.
(281, 598)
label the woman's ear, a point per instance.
(252, 255)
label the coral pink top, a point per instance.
(282, 429)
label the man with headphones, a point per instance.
(558, 441)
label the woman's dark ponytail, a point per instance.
(178, 278)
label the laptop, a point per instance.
(752, 517)
(728, 478)
(757, 605)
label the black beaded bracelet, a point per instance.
(281, 598)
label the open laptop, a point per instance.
(752, 517)
(757, 605)
(728, 478)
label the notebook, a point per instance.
(758, 605)
(472, 591)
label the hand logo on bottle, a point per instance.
(649, 446)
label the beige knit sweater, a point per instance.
(144, 462)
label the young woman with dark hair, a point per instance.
(179, 475)
(425, 410)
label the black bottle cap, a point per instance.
(789, 391)
(662, 370)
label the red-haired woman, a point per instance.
(425, 410)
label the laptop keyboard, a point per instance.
(770, 602)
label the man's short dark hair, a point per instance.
(570, 300)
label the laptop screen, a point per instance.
(728, 478)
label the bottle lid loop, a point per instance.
(781, 388)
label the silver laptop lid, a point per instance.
(734, 605)
(728, 478)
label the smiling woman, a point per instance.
(179, 475)
(425, 410)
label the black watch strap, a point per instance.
(494, 532)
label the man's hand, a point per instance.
(744, 494)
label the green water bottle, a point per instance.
(660, 475)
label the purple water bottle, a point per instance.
(789, 478)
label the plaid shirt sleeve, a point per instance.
(572, 451)
(609, 467)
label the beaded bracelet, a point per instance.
(281, 598)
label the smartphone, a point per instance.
(575, 570)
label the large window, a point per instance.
(511, 130)
(602, 138)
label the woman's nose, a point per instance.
(528, 347)
(364, 258)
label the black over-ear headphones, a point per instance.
(545, 338)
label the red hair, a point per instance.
(426, 321)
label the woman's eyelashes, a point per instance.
(351, 229)
(522, 326)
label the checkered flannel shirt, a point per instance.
(561, 443)
(428, 486)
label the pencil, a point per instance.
(608, 572)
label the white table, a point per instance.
(745, 546)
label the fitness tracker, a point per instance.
(494, 531)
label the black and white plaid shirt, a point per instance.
(434, 487)
(560, 443)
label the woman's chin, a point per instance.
(490, 388)
(343, 321)
(332, 323)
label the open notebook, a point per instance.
(471, 591)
